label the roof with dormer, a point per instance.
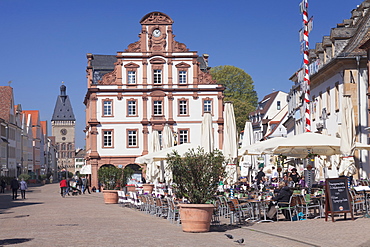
(63, 108)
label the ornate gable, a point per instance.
(134, 47)
(156, 18)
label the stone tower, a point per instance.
(63, 128)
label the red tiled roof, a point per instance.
(34, 116)
(6, 94)
(43, 126)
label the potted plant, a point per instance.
(113, 179)
(196, 176)
(24, 176)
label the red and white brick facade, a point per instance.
(155, 81)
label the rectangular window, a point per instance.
(182, 77)
(107, 138)
(183, 107)
(183, 136)
(157, 76)
(278, 105)
(131, 108)
(131, 77)
(132, 138)
(157, 107)
(207, 106)
(107, 108)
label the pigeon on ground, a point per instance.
(229, 236)
(240, 241)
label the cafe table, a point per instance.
(259, 208)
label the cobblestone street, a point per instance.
(47, 219)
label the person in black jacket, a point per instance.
(14, 184)
(282, 196)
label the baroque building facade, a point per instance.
(155, 82)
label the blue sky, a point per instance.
(45, 42)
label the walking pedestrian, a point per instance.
(23, 187)
(51, 179)
(14, 184)
(63, 187)
(85, 183)
(3, 185)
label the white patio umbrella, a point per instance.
(207, 133)
(248, 162)
(229, 146)
(303, 144)
(162, 154)
(153, 168)
(347, 141)
(262, 147)
(167, 141)
(86, 169)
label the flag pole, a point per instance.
(306, 79)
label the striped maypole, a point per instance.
(306, 79)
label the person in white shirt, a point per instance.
(275, 175)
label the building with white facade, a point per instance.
(338, 68)
(272, 106)
(154, 82)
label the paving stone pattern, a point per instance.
(47, 219)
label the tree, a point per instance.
(239, 89)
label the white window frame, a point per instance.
(157, 76)
(108, 138)
(182, 76)
(132, 138)
(107, 106)
(183, 107)
(207, 105)
(131, 108)
(183, 136)
(157, 108)
(131, 77)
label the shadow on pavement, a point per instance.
(14, 241)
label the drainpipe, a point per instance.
(358, 58)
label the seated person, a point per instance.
(294, 175)
(282, 195)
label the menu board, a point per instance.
(338, 200)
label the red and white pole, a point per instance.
(306, 80)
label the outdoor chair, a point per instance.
(144, 203)
(357, 201)
(161, 207)
(236, 211)
(223, 208)
(305, 203)
(287, 207)
(123, 200)
(173, 211)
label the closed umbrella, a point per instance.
(167, 141)
(229, 146)
(247, 162)
(153, 167)
(347, 140)
(207, 133)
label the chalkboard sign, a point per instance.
(337, 197)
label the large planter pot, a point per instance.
(131, 188)
(110, 196)
(196, 217)
(148, 188)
